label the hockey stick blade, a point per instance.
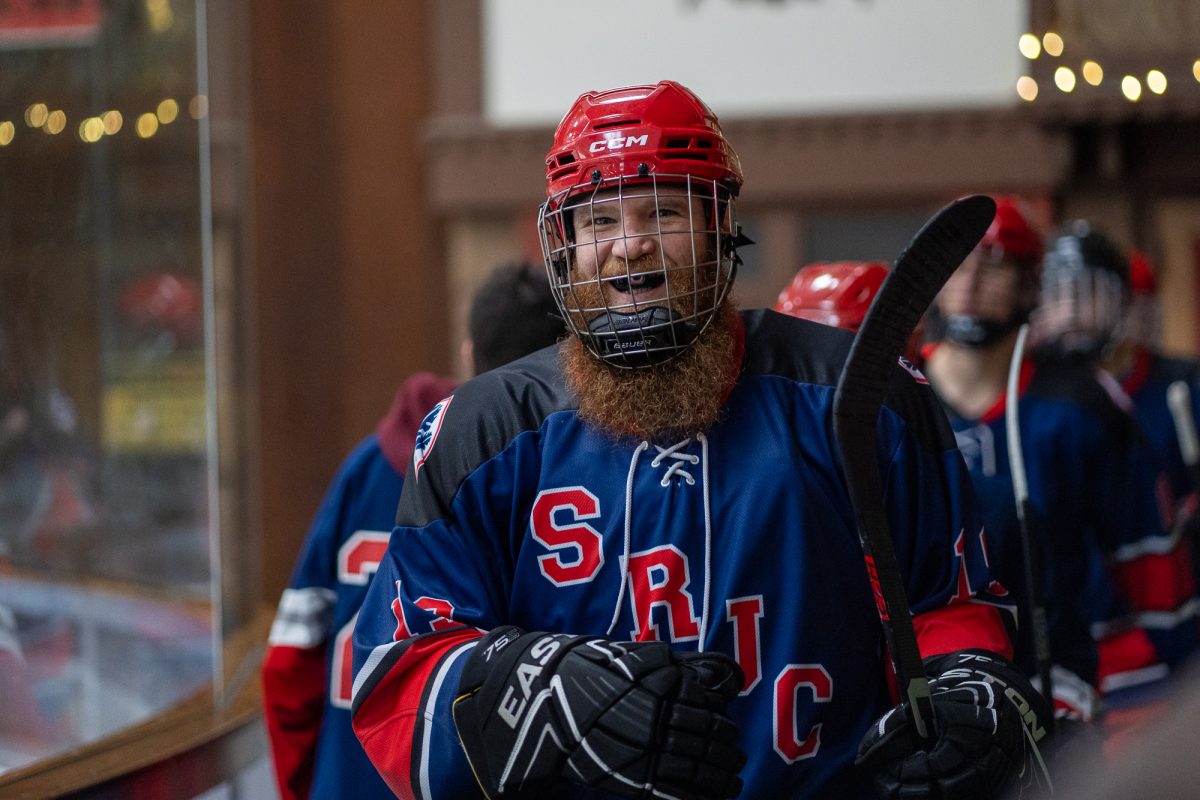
(916, 277)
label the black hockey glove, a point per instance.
(991, 725)
(630, 718)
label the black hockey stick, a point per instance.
(917, 276)
(1026, 518)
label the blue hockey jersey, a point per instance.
(1093, 486)
(741, 540)
(1146, 384)
(307, 671)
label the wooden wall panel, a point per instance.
(348, 279)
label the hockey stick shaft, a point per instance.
(916, 277)
(1030, 554)
(1179, 400)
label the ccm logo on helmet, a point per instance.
(617, 143)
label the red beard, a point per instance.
(668, 401)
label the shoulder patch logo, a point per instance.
(911, 369)
(428, 432)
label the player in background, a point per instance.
(1073, 437)
(306, 674)
(1144, 605)
(1084, 296)
(1146, 374)
(629, 566)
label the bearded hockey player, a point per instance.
(628, 565)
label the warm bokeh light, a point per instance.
(198, 106)
(1196, 69)
(1029, 45)
(7, 132)
(1052, 43)
(56, 123)
(1027, 88)
(91, 130)
(160, 15)
(1156, 81)
(1064, 79)
(112, 121)
(147, 125)
(1131, 87)
(167, 112)
(1092, 73)
(35, 115)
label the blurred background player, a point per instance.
(306, 674)
(1146, 375)
(1073, 442)
(1143, 591)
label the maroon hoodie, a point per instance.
(414, 399)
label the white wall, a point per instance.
(753, 57)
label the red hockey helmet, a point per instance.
(1142, 279)
(1011, 236)
(837, 293)
(636, 132)
(623, 146)
(164, 301)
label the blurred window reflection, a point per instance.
(105, 574)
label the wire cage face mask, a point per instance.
(1081, 311)
(639, 266)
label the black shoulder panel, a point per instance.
(805, 351)
(480, 420)
(809, 352)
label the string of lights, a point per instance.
(1051, 44)
(39, 116)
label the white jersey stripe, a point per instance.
(372, 661)
(303, 618)
(434, 691)
(1153, 620)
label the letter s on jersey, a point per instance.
(573, 534)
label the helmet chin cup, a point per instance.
(639, 339)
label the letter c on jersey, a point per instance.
(584, 540)
(789, 744)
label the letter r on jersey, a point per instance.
(660, 577)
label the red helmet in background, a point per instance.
(164, 302)
(1143, 316)
(1011, 236)
(624, 145)
(1143, 280)
(833, 293)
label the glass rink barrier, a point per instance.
(85, 661)
(122, 446)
